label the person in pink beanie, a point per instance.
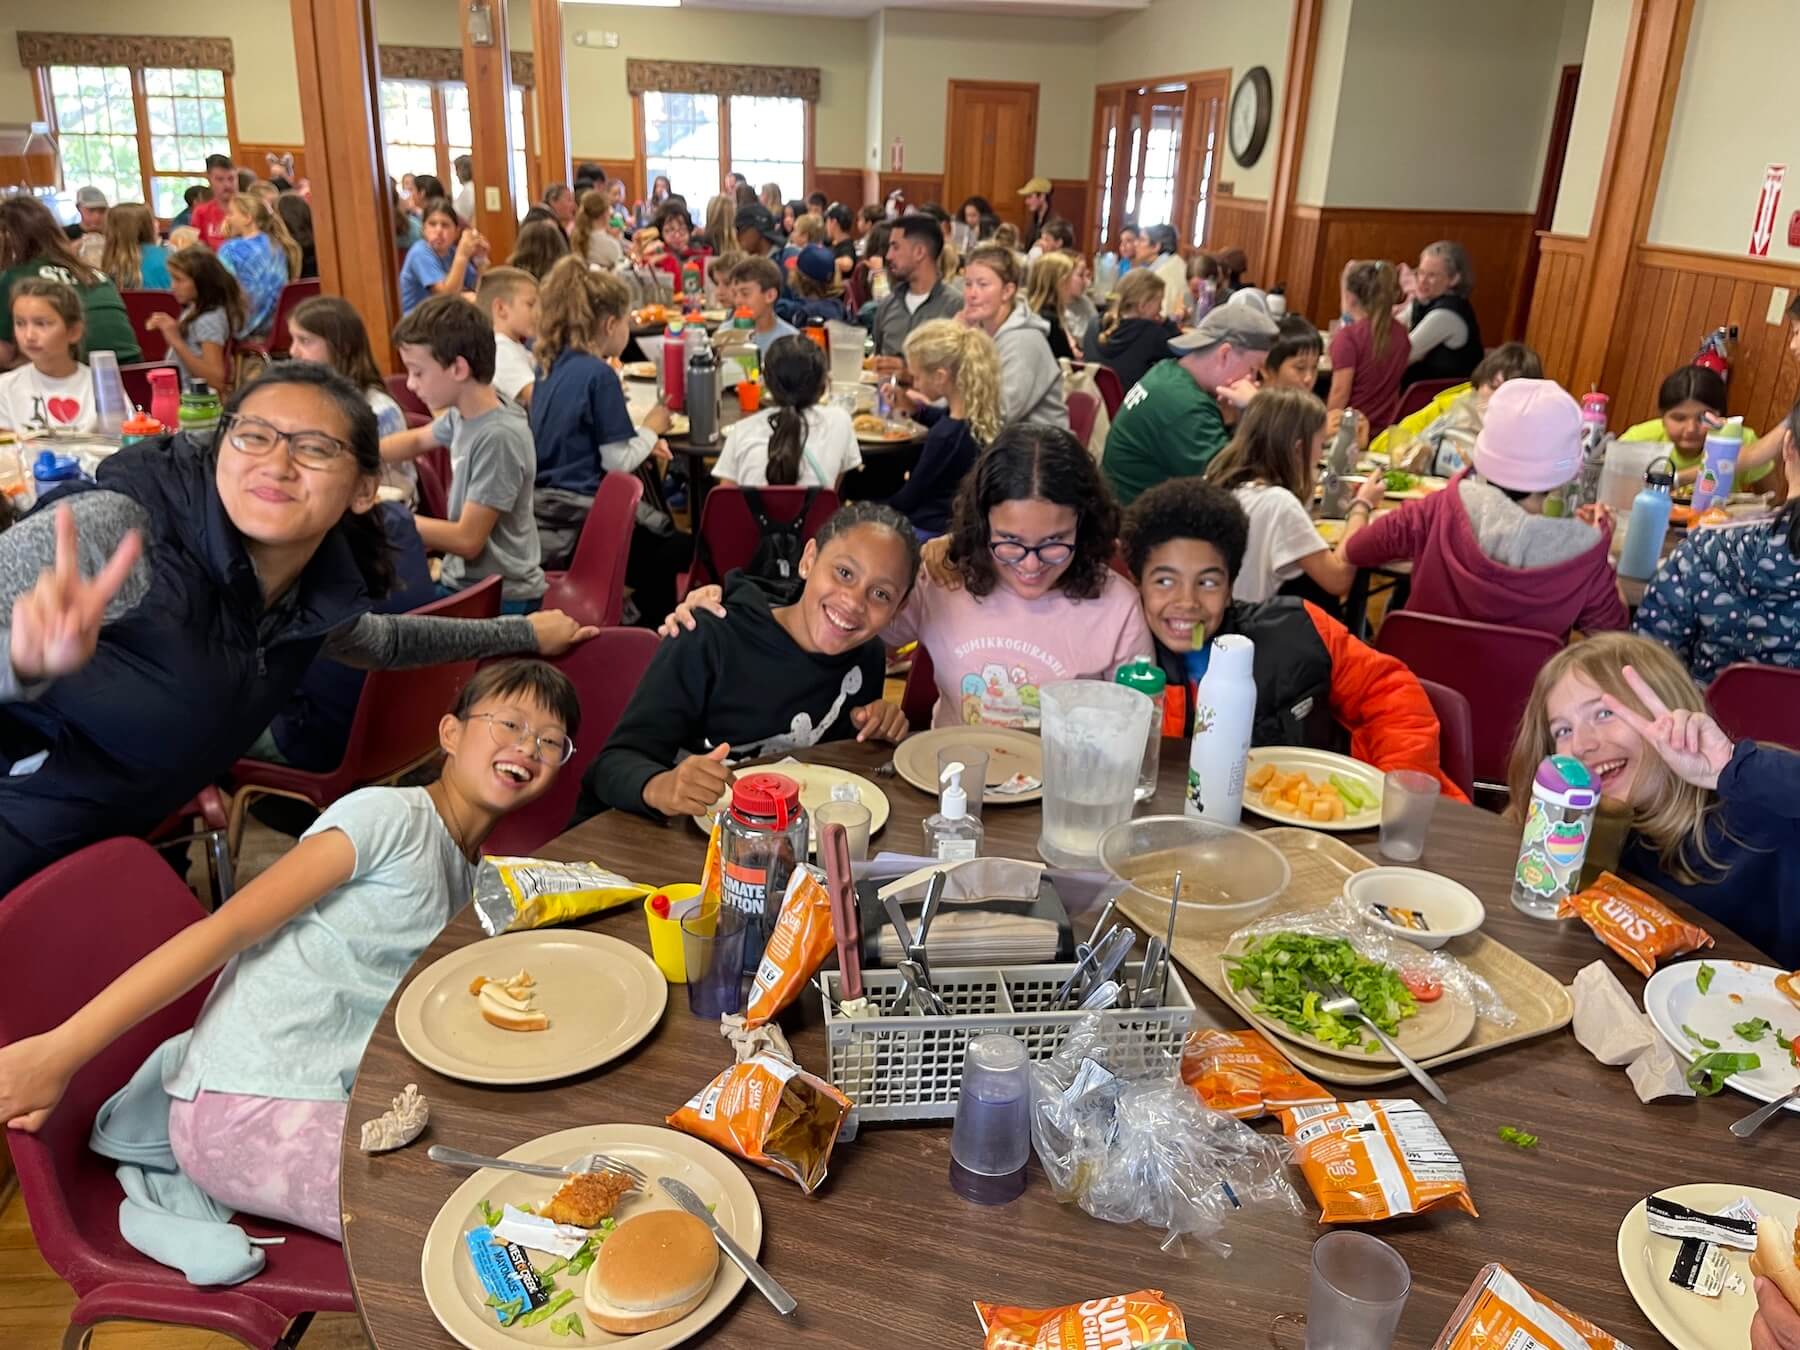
(1483, 549)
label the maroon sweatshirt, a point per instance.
(1478, 555)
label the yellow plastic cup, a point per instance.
(665, 934)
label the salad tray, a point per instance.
(1320, 864)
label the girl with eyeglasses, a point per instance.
(1020, 592)
(157, 620)
(311, 950)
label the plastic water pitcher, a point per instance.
(1649, 522)
(111, 407)
(1093, 745)
(1623, 472)
(845, 344)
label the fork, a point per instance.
(1339, 1003)
(587, 1162)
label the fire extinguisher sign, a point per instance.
(1768, 202)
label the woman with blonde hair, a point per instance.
(955, 372)
(1030, 378)
(721, 229)
(589, 237)
(1134, 335)
(130, 254)
(1268, 467)
(262, 255)
(1049, 288)
(1711, 821)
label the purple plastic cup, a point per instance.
(712, 946)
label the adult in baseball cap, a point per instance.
(1170, 425)
(1036, 193)
(1483, 549)
(91, 202)
(756, 231)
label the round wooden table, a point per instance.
(887, 1255)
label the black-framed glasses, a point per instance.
(1011, 552)
(509, 735)
(310, 449)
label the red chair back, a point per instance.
(1112, 393)
(1456, 735)
(434, 480)
(920, 694)
(410, 403)
(1083, 409)
(290, 298)
(606, 671)
(70, 1192)
(136, 378)
(1420, 392)
(1757, 701)
(729, 535)
(593, 589)
(139, 306)
(1489, 665)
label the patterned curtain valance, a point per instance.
(705, 77)
(125, 49)
(442, 63)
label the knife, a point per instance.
(683, 1195)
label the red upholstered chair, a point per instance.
(1083, 409)
(1112, 393)
(276, 344)
(204, 819)
(606, 671)
(1489, 665)
(410, 403)
(433, 468)
(593, 589)
(920, 695)
(1420, 392)
(139, 306)
(136, 378)
(394, 731)
(1456, 735)
(1757, 701)
(71, 1194)
(728, 533)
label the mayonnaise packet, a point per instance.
(517, 893)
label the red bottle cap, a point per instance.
(660, 903)
(766, 795)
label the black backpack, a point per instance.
(779, 544)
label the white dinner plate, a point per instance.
(1319, 765)
(1740, 991)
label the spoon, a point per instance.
(1753, 1122)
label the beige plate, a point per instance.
(1009, 752)
(1689, 1321)
(602, 996)
(1320, 864)
(816, 782)
(1320, 765)
(448, 1275)
(1426, 485)
(639, 370)
(1438, 1027)
(899, 433)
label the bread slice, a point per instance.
(510, 1011)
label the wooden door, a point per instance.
(1201, 154)
(1106, 174)
(990, 144)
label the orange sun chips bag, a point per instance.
(1501, 1313)
(1368, 1161)
(1635, 924)
(798, 945)
(1117, 1323)
(1241, 1074)
(769, 1111)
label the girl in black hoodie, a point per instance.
(1134, 335)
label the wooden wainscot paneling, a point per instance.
(1551, 329)
(1672, 299)
(841, 185)
(919, 188)
(1297, 271)
(1069, 198)
(255, 157)
(1237, 222)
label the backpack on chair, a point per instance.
(780, 542)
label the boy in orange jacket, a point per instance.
(1316, 685)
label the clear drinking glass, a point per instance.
(855, 819)
(1093, 744)
(975, 770)
(1407, 799)
(1359, 1289)
(712, 947)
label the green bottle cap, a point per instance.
(1144, 676)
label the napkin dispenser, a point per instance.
(995, 911)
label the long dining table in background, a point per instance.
(887, 1255)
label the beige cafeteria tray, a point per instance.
(1320, 864)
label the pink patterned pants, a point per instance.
(269, 1156)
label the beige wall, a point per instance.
(1601, 59)
(1322, 104)
(1174, 37)
(1730, 121)
(875, 39)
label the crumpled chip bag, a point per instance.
(1117, 1323)
(1368, 1161)
(517, 893)
(1501, 1313)
(798, 945)
(1635, 924)
(1239, 1073)
(769, 1111)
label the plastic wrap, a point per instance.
(1119, 1135)
(1341, 919)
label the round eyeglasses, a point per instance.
(509, 735)
(1013, 553)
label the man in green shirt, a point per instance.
(1169, 425)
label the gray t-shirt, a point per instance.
(211, 326)
(493, 461)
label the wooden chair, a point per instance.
(1757, 701)
(139, 306)
(593, 589)
(132, 904)
(728, 533)
(606, 671)
(1456, 735)
(394, 731)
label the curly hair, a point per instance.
(1185, 508)
(574, 304)
(1035, 463)
(970, 358)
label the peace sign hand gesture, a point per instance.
(56, 624)
(1690, 743)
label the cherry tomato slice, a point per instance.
(1422, 987)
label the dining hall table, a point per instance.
(886, 1254)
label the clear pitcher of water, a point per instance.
(1093, 734)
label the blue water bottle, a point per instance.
(1649, 522)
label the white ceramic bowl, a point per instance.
(1450, 909)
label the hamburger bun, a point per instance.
(1773, 1258)
(654, 1269)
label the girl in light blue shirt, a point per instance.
(446, 260)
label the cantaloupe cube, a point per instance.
(1259, 776)
(1321, 810)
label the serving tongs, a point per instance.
(846, 918)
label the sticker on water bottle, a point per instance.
(1550, 852)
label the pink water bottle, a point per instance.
(165, 398)
(674, 368)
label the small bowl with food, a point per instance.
(1229, 875)
(1426, 909)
